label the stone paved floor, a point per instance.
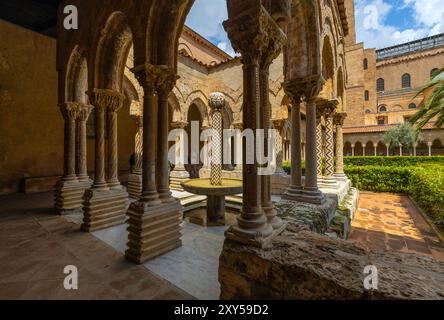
(392, 222)
(36, 245)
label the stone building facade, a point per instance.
(381, 94)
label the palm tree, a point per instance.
(433, 103)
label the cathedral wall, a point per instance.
(31, 125)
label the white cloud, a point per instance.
(206, 17)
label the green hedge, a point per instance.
(424, 183)
(391, 161)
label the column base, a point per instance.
(68, 197)
(104, 208)
(177, 177)
(292, 193)
(329, 182)
(135, 186)
(256, 238)
(153, 231)
(341, 177)
(314, 197)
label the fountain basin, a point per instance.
(215, 195)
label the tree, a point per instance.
(433, 103)
(404, 134)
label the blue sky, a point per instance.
(379, 23)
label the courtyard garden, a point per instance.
(421, 178)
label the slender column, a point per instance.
(70, 112)
(375, 147)
(329, 141)
(100, 99)
(295, 188)
(388, 149)
(319, 144)
(163, 168)
(400, 150)
(339, 122)
(82, 166)
(180, 174)
(353, 150)
(303, 151)
(279, 148)
(115, 104)
(364, 147)
(415, 146)
(429, 145)
(138, 145)
(148, 76)
(252, 35)
(216, 103)
(265, 123)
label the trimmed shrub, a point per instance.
(391, 161)
(380, 179)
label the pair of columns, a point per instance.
(260, 40)
(75, 157)
(70, 189)
(106, 105)
(154, 220)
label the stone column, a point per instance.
(105, 204)
(81, 159)
(165, 86)
(329, 179)
(388, 149)
(216, 103)
(375, 149)
(295, 189)
(279, 148)
(100, 101)
(319, 144)
(353, 150)
(179, 174)
(400, 150)
(69, 189)
(339, 122)
(115, 104)
(429, 145)
(70, 112)
(309, 88)
(135, 178)
(268, 55)
(153, 224)
(251, 33)
(415, 146)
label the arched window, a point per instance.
(406, 81)
(366, 95)
(380, 85)
(382, 109)
(432, 73)
(412, 106)
(365, 63)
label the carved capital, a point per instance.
(339, 118)
(216, 101)
(278, 124)
(138, 119)
(103, 99)
(306, 89)
(247, 28)
(330, 107)
(70, 110)
(84, 112)
(238, 126)
(159, 78)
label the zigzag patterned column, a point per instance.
(216, 103)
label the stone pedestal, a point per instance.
(217, 212)
(69, 196)
(135, 185)
(153, 230)
(104, 208)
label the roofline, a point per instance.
(200, 39)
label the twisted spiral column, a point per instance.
(139, 145)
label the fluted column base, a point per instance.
(176, 179)
(68, 196)
(135, 186)
(104, 208)
(153, 230)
